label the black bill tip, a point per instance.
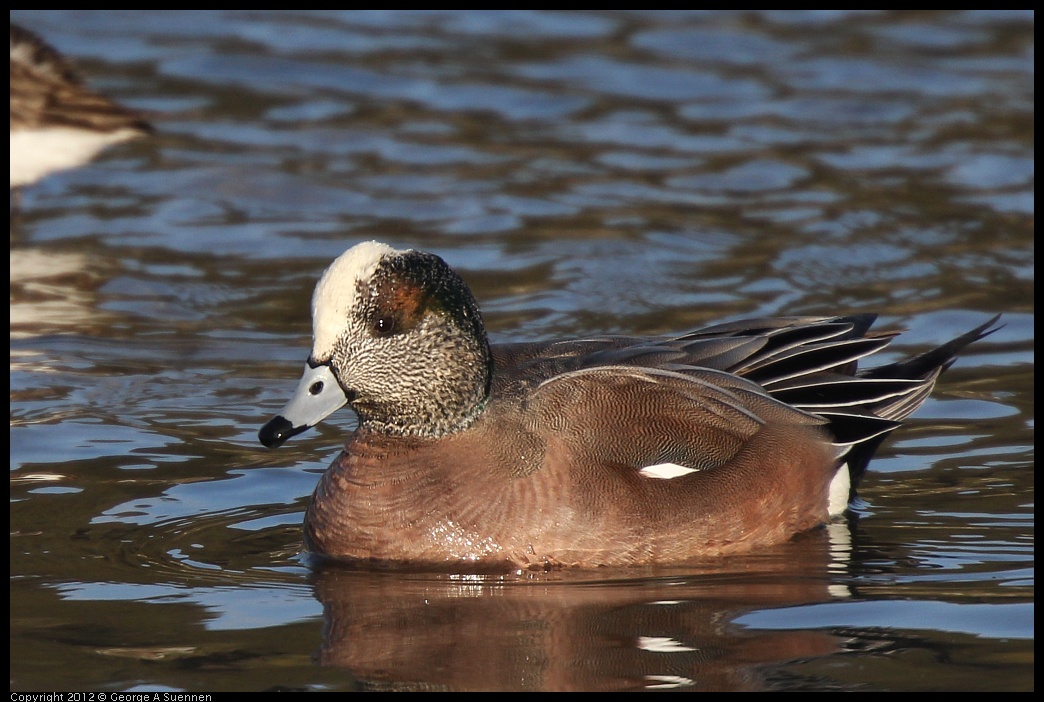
(278, 430)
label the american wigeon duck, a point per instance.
(612, 450)
(56, 122)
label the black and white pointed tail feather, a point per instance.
(935, 361)
(838, 355)
(828, 390)
(850, 429)
(783, 329)
(875, 408)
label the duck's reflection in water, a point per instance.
(593, 630)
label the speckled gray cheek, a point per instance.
(353, 356)
(409, 350)
(367, 308)
(378, 371)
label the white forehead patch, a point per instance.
(335, 293)
(665, 471)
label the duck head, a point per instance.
(398, 336)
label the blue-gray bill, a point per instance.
(318, 395)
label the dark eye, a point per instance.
(384, 326)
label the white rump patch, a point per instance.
(840, 490)
(839, 592)
(662, 644)
(666, 682)
(334, 294)
(840, 550)
(665, 471)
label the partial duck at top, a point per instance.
(57, 123)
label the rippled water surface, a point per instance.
(639, 172)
